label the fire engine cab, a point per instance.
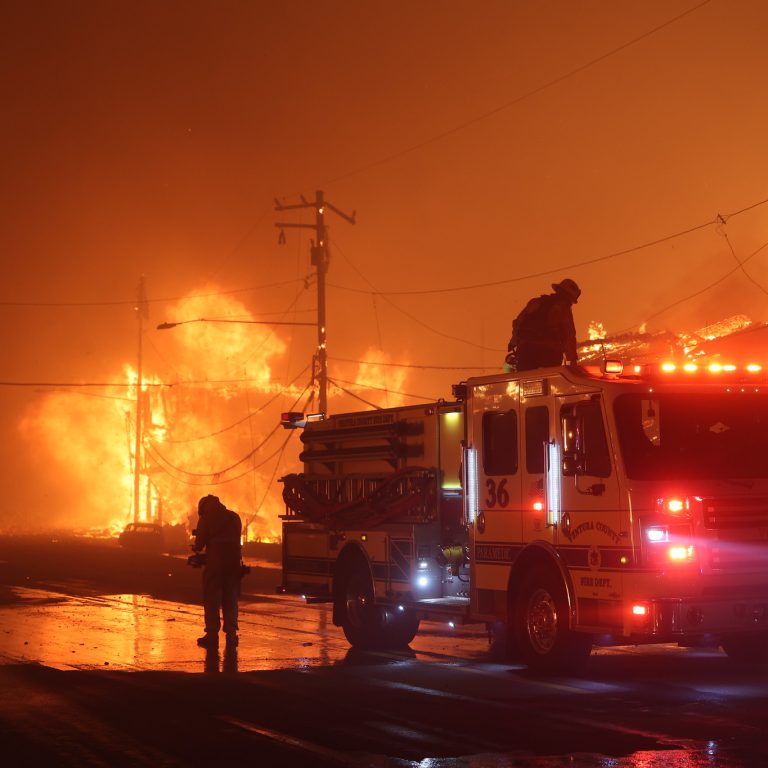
(576, 505)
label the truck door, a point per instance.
(592, 533)
(495, 535)
(538, 522)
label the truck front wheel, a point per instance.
(544, 639)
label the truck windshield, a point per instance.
(687, 435)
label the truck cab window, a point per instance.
(591, 440)
(536, 434)
(500, 442)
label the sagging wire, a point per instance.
(413, 365)
(250, 519)
(387, 390)
(384, 295)
(165, 463)
(352, 394)
(245, 418)
(722, 231)
(211, 482)
(132, 302)
(717, 220)
(706, 288)
(518, 99)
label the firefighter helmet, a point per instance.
(567, 288)
(208, 504)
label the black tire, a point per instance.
(361, 618)
(747, 648)
(401, 628)
(543, 638)
(368, 626)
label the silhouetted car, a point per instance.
(144, 537)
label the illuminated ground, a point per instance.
(93, 673)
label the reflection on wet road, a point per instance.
(141, 632)
(294, 694)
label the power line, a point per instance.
(352, 394)
(93, 394)
(277, 463)
(255, 466)
(741, 264)
(249, 415)
(68, 384)
(518, 99)
(132, 302)
(421, 322)
(215, 481)
(413, 365)
(386, 390)
(706, 288)
(717, 220)
(217, 474)
(75, 385)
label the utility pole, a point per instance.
(141, 315)
(319, 260)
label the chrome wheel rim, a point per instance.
(541, 621)
(358, 602)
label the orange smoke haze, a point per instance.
(386, 380)
(211, 424)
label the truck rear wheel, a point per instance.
(544, 640)
(369, 626)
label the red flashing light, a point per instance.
(673, 505)
(680, 553)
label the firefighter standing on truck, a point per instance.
(544, 333)
(218, 532)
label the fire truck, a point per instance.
(574, 506)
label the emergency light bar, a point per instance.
(686, 369)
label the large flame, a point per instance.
(208, 426)
(375, 373)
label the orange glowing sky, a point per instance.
(478, 143)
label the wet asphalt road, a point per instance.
(99, 667)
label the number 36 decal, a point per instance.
(498, 495)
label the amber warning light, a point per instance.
(296, 419)
(292, 419)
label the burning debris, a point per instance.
(642, 346)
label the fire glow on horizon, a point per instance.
(209, 427)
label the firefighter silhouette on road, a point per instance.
(218, 532)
